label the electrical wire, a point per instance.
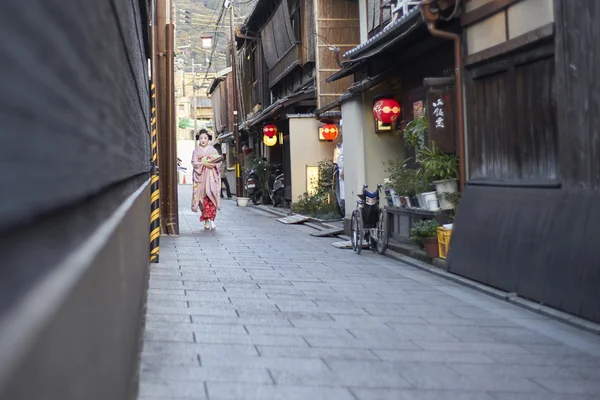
(219, 21)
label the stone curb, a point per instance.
(512, 298)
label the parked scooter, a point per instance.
(254, 185)
(277, 191)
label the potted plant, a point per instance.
(402, 180)
(415, 130)
(422, 187)
(442, 170)
(424, 233)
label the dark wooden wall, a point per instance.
(74, 148)
(254, 85)
(512, 117)
(528, 219)
(261, 81)
(536, 242)
(74, 108)
(578, 88)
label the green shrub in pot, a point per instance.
(423, 229)
(442, 170)
(414, 132)
(436, 165)
(406, 181)
(402, 179)
(424, 233)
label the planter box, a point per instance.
(442, 187)
(401, 220)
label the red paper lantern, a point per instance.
(247, 150)
(330, 132)
(270, 130)
(386, 111)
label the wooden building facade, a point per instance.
(401, 60)
(75, 145)
(531, 142)
(529, 212)
(284, 48)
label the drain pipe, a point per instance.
(431, 15)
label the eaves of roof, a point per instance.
(323, 110)
(276, 106)
(214, 85)
(260, 10)
(389, 33)
(221, 76)
(347, 69)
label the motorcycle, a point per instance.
(254, 186)
(277, 191)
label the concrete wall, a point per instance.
(364, 150)
(353, 116)
(306, 150)
(379, 147)
(185, 148)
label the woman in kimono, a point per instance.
(207, 180)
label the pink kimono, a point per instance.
(207, 183)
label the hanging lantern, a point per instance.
(330, 132)
(270, 130)
(386, 111)
(270, 141)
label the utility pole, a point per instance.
(165, 93)
(236, 134)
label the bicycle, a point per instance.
(369, 222)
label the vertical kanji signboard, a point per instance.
(440, 114)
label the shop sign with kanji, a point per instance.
(441, 119)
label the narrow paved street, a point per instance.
(260, 310)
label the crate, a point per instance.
(443, 237)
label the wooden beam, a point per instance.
(486, 11)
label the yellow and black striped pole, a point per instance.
(154, 185)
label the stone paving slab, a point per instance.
(262, 310)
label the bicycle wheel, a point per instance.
(382, 232)
(356, 231)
